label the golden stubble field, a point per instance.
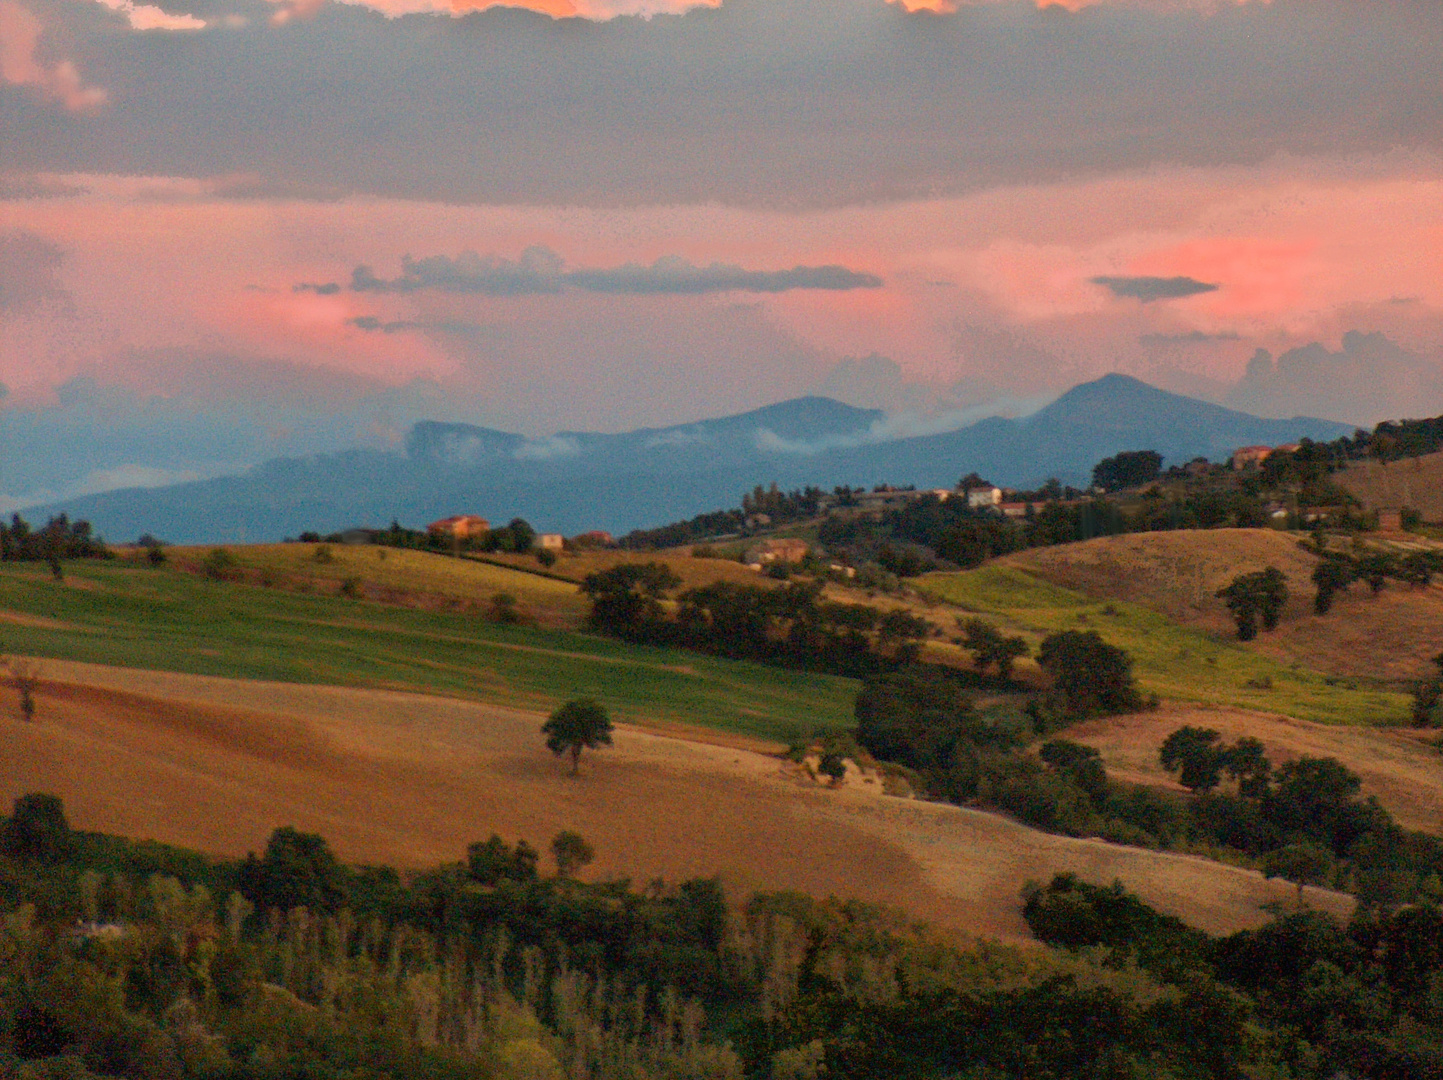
(1392, 636)
(216, 764)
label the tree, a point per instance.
(1428, 699)
(1131, 468)
(1376, 568)
(1303, 864)
(1246, 763)
(1195, 755)
(1332, 575)
(989, 647)
(25, 674)
(297, 870)
(578, 725)
(494, 861)
(1092, 676)
(627, 597)
(1259, 595)
(37, 828)
(571, 853)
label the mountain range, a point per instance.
(574, 481)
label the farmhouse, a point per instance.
(785, 549)
(984, 498)
(550, 542)
(459, 527)
(1244, 456)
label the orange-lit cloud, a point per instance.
(19, 34)
(595, 10)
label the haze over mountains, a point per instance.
(574, 481)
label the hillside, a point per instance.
(1400, 767)
(1416, 483)
(136, 616)
(577, 481)
(1171, 659)
(1387, 640)
(390, 777)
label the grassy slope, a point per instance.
(1173, 661)
(1383, 642)
(132, 616)
(414, 578)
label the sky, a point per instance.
(238, 229)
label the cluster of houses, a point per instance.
(462, 527)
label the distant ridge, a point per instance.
(573, 481)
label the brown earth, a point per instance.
(217, 764)
(1391, 637)
(1416, 483)
(1400, 767)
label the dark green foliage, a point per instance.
(1092, 677)
(546, 557)
(297, 870)
(991, 648)
(1072, 914)
(1129, 469)
(220, 565)
(493, 862)
(1428, 699)
(1082, 765)
(1376, 567)
(625, 600)
(503, 609)
(37, 829)
(1304, 863)
(923, 718)
(1196, 756)
(578, 725)
(571, 852)
(1253, 597)
(59, 539)
(1334, 574)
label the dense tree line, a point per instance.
(61, 538)
(125, 959)
(1307, 812)
(1355, 1000)
(790, 624)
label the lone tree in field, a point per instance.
(576, 726)
(25, 674)
(1302, 864)
(1250, 597)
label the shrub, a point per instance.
(219, 565)
(351, 587)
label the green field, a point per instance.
(127, 615)
(1172, 661)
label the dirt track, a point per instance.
(408, 779)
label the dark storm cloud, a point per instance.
(540, 271)
(1192, 337)
(782, 102)
(1148, 289)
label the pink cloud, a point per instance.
(1300, 250)
(19, 35)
